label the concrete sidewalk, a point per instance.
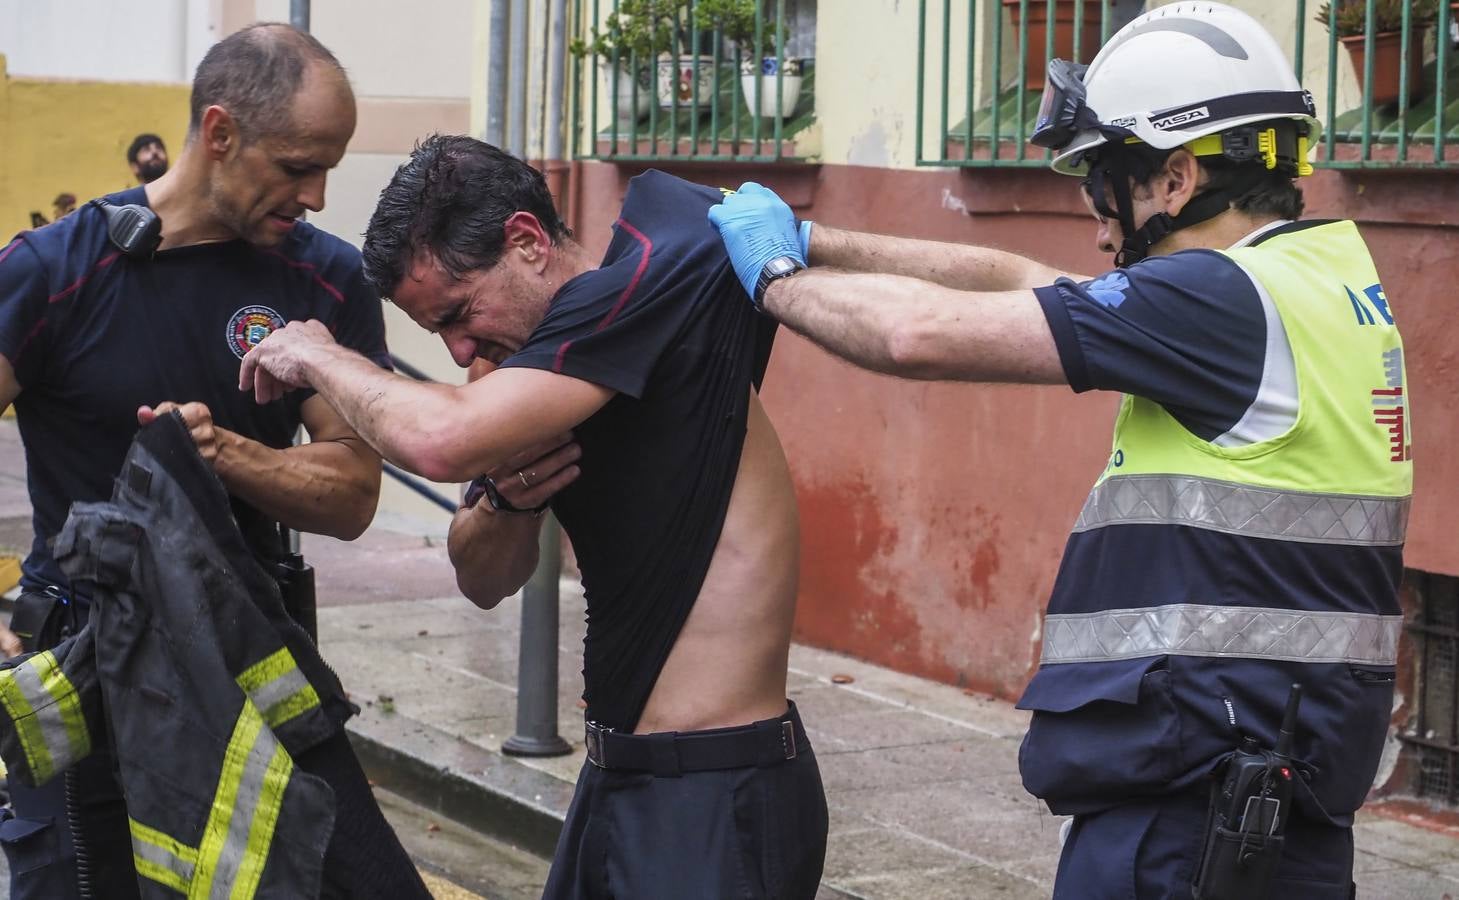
(921, 778)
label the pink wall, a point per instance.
(933, 515)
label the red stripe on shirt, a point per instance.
(11, 249)
(35, 330)
(103, 263)
(648, 249)
(309, 267)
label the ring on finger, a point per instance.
(525, 482)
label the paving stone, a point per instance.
(964, 882)
(1401, 844)
(883, 851)
(400, 620)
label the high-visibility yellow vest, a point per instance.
(1329, 494)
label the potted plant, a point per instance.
(657, 34)
(1034, 64)
(669, 30)
(1350, 22)
(624, 48)
(759, 78)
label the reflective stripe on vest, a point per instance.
(240, 828)
(278, 688)
(42, 703)
(1191, 629)
(161, 858)
(1246, 510)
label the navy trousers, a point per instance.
(735, 834)
(1149, 849)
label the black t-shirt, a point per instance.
(92, 335)
(665, 323)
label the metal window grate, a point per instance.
(978, 62)
(671, 83)
(1435, 735)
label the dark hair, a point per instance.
(452, 198)
(1273, 194)
(141, 141)
(254, 73)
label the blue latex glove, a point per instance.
(756, 227)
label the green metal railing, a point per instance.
(692, 104)
(1417, 128)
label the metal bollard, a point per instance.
(299, 14)
(537, 656)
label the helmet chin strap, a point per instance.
(1117, 170)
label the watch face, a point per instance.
(781, 265)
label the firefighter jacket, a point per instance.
(209, 689)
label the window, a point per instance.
(694, 80)
(1433, 738)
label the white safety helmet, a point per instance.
(1202, 76)
(1184, 71)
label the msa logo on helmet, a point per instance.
(1180, 119)
(1123, 122)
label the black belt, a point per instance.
(769, 742)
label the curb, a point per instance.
(482, 789)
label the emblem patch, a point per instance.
(1389, 407)
(250, 325)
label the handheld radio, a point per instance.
(1248, 816)
(133, 229)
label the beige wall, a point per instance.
(411, 66)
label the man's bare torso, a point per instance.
(728, 665)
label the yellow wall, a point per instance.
(72, 136)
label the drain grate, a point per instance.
(1435, 735)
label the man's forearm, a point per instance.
(494, 553)
(913, 329)
(328, 487)
(404, 420)
(957, 266)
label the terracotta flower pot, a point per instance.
(1035, 67)
(1387, 60)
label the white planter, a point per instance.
(676, 82)
(624, 108)
(767, 79)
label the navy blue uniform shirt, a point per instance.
(92, 335)
(1185, 330)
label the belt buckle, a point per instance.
(787, 737)
(594, 742)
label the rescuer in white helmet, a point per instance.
(1216, 677)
